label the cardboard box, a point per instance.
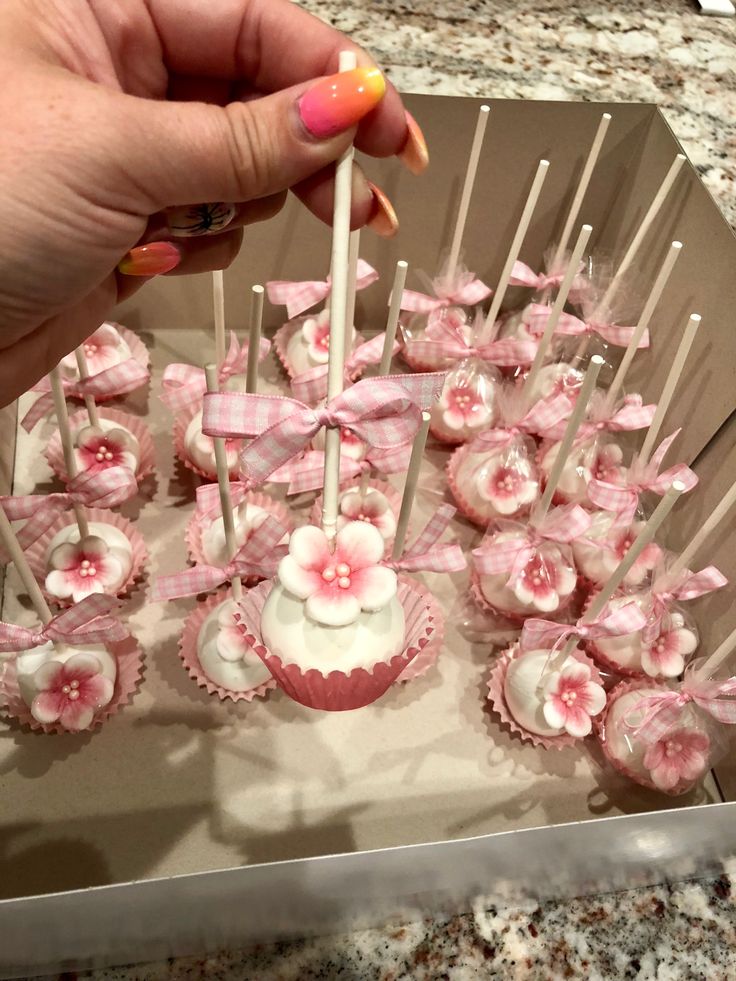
(186, 824)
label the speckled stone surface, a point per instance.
(657, 51)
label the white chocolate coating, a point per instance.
(475, 474)
(223, 654)
(597, 564)
(544, 587)
(116, 541)
(557, 377)
(28, 662)
(296, 639)
(592, 458)
(523, 691)
(201, 449)
(246, 518)
(619, 742)
(468, 403)
(115, 351)
(303, 355)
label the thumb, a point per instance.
(186, 151)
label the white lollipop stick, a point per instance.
(645, 536)
(17, 556)
(719, 512)
(571, 430)
(654, 208)
(519, 236)
(392, 321)
(669, 387)
(557, 308)
(462, 211)
(67, 443)
(254, 339)
(353, 255)
(338, 310)
(218, 305)
(410, 487)
(89, 402)
(711, 664)
(580, 191)
(223, 485)
(646, 316)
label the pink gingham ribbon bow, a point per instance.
(523, 275)
(506, 353)
(311, 386)
(687, 586)
(258, 556)
(383, 412)
(306, 473)
(208, 498)
(662, 711)
(463, 291)
(624, 498)
(116, 380)
(184, 384)
(562, 525)
(632, 414)
(540, 420)
(571, 326)
(542, 634)
(425, 555)
(106, 489)
(300, 296)
(87, 622)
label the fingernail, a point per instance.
(150, 260)
(336, 103)
(200, 219)
(383, 220)
(414, 154)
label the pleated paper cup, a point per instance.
(337, 691)
(281, 342)
(198, 524)
(462, 502)
(80, 419)
(36, 552)
(426, 658)
(497, 700)
(190, 660)
(130, 669)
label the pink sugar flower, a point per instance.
(316, 332)
(571, 698)
(370, 507)
(99, 450)
(463, 407)
(665, 655)
(606, 463)
(546, 580)
(647, 559)
(70, 693)
(104, 349)
(231, 644)
(338, 585)
(509, 488)
(679, 757)
(81, 568)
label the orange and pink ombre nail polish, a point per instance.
(383, 220)
(336, 103)
(152, 259)
(414, 154)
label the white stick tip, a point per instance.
(543, 164)
(587, 229)
(681, 157)
(402, 264)
(677, 245)
(485, 108)
(695, 318)
(257, 289)
(678, 487)
(597, 360)
(607, 116)
(426, 416)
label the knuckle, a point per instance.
(251, 148)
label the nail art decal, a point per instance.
(414, 154)
(336, 103)
(152, 259)
(200, 219)
(383, 220)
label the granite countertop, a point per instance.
(657, 51)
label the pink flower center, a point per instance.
(569, 697)
(87, 569)
(672, 748)
(71, 690)
(90, 349)
(341, 572)
(104, 453)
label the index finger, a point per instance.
(274, 44)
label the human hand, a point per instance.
(116, 118)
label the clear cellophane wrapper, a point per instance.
(597, 456)
(672, 761)
(604, 545)
(467, 404)
(545, 587)
(434, 325)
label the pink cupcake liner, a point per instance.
(623, 688)
(338, 691)
(463, 505)
(424, 660)
(383, 486)
(446, 440)
(188, 654)
(181, 421)
(197, 524)
(130, 669)
(146, 463)
(36, 552)
(518, 618)
(495, 684)
(280, 343)
(416, 364)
